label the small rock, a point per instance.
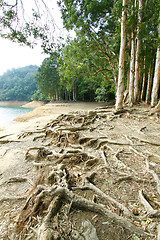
(89, 231)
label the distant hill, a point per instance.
(18, 84)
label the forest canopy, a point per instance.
(115, 53)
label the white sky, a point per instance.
(12, 55)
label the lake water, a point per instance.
(8, 113)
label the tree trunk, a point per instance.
(143, 84)
(57, 98)
(129, 60)
(66, 95)
(132, 65)
(138, 50)
(120, 88)
(149, 85)
(74, 93)
(156, 81)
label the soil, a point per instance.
(87, 165)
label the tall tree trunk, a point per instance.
(132, 68)
(74, 94)
(120, 88)
(156, 81)
(143, 83)
(138, 50)
(57, 98)
(129, 60)
(66, 95)
(149, 85)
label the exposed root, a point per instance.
(158, 230)
(37, 153)
(8, 199)
(8, 141)
(145, 203)
(155, 176)
(130, 178)
(46, 230)
(87, 165)
(123, 210)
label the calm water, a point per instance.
(8, 113)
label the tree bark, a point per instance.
(120, 88)
(74, 93)
(129, 60)
(156, 80)
(132, 65)
(138, 50)
(143, 83)
(149, 85)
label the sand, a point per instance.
(36, 119)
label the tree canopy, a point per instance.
(99, 24)
(115, 51)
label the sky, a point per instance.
(12, 55)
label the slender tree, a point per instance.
(149, 85)
(120, 88)
(138, 51)
(156, 81)
(132, 64)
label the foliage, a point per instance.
(105, 92)
(98, 25)
(26, 23)
(86, 68)
(47, 77)
(81, 69)
(18, 84)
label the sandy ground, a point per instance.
(54, 109)
(122, 150)
(36, 119)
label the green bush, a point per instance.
(105, 92)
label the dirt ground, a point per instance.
(81, 172)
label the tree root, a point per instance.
(155, 176)
(46, 230)
(89, 186)
(86, 205)
(39, 153)
(145, 203)
(15, 180)
(130, 178)
(149, 209)
(28, 133)
(8, 199)
(71, 165)
(158, 230)
(8, 141)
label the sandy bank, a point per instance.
(12, 103)
(33, 104)
(40, 116)
(52, 109)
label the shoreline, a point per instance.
(51, 109)
(40, 116)
(25, 104)
(13, 103)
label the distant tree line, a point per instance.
(52, 82)
(18, 84)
